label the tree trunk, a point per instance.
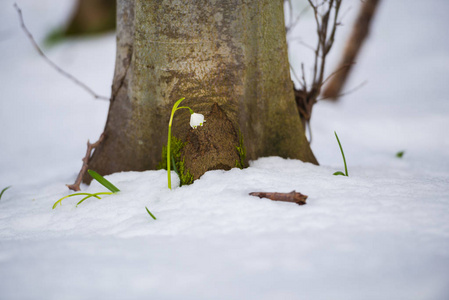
(228, 58)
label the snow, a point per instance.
(381, 233)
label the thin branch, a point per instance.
(353, 46)
(51, 63)
(336, 71)
(327, 44)
(317, 50)
(326, 14)
(79, 178)
(304, 77)
(358, 87)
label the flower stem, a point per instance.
(191, 111)
(175, 107)
(168, 153)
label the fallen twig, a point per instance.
(90, 147)
(51, 63)
(293, 196)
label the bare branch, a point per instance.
(358, 87)
(79, 178)
(336, 72)
(326, 14)
(304, 77)
(51, 63)
(358, 35)
(317, 49)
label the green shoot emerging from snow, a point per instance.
(195, 121)
(344, 159)
(4, 190)
(107, 184)
(103, 181)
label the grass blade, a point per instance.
(82, 200)
(103, 181)
(148, 211)
(4, 190)
(72, 195)
(342, 154)
(175, 106)
(94, 195)
(339, 173)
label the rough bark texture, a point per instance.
(212, 146)
(228, 52)
(92, 16)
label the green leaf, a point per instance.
(175, 106)
(82, 200)
(72, 195)
(148, 211)
(400, 154)
(103, 181)
(93, 195)
(339, 173)
(1, 194)
(342, 154)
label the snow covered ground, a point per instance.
(382, 233)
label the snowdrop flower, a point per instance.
(196, 120)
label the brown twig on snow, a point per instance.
(51, 63)
(90, 147)
(359, 33)
(293, 196)
(327, 20)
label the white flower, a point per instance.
(196, 120)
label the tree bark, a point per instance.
(230, 53)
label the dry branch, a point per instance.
(293, 196)
(90, 147)
(326, 13)
(51, 63)
(359, 34)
